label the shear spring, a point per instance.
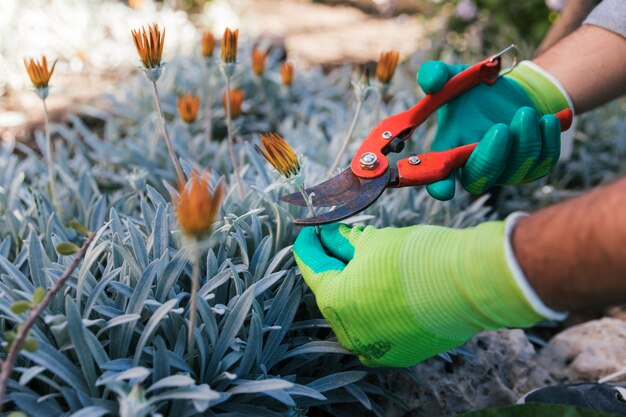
(502, 52)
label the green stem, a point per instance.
(170, 149)
(50, 163)
(265, 98)
(209, 101)
(231, 144)
(346, 140)
(195, 285)
(309, 205)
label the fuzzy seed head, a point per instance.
(149, 44)
(286, 73)
(387, 66)
(188, 106)
(236, 100)
(279, 154)
(258, 61)
(229, 46)
(208, 44)
(196, 207)
(38, 71)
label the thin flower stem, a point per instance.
(265, 98)
(346, 140)
(195, 284)
(209, 100)
(309, 205)
(7, 366)
(231, 144)
(50, 163)
(170, 149)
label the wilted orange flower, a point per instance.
(196, 207)
(229, 46)
(208, 44)
(38, 71)
(258, 61)
(149, 45)
(188, 106)
(286, 73)
(387, 66)
(236, 99)
(279, 154)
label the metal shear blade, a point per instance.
(350, 200)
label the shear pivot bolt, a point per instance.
(368, 160)
(387, 134)
(414, 160)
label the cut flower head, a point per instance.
(258, 58)
(229, 46)
(207, 44)
(387, 66)
(196, 207)
(236, 100)
(188, 106)
(279, 154)
(39, 72)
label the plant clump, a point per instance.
(168, 291)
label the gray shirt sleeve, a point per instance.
(610, 15)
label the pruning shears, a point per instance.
(358, 187)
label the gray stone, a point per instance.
(586, 352)
(503, 369)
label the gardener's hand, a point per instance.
(395, 297)
(513, 120)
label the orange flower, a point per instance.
(135, 4)
(387, 66)
(236, 99)
(196, 207)
(229, 46)
(38, 71)
(208, 44)
(279, 154)
(258, 61)
(286, 73)
(149, 45)
(188, 106)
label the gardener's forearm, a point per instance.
(573, 253)
(570, 19)
(590, 64)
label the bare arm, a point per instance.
(591, 65)
(570, 19)
(574, 253)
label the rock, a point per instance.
(503, 369)
(586, 352)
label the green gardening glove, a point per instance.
(519, 137)
(395, 297)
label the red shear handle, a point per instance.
(434, 166)
(402, 124)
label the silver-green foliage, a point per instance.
(114, 342)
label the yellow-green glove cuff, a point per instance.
(544, 90)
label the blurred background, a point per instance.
(91, 38)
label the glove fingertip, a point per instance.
(432, 76)
(311, 256)
(442, 190)
(488, 161)
(336, 239)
